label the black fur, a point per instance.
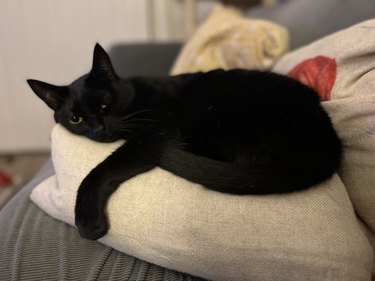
(236, 131)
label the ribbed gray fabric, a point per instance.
(34, 246)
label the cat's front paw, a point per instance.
(92, 229)
(90, 217)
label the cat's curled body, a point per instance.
(237, 131)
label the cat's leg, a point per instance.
(133, 158)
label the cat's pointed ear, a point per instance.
(52, 95)
(102, 68)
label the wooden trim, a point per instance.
(190, 17)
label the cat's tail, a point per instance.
(305, 171)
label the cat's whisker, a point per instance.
(139, 120)
(131, 115)
(134, 123)
(132, 126)
(139, 112)
(125, 130)
(151, 120)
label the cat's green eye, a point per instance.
(75, 120)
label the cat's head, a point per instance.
(94, 104)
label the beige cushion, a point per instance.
(158, 217)
(227, 39)
(351, 105)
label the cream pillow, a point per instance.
(341, 67)
(160, 218)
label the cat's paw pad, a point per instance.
(92, 230)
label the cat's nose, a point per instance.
(98, 129)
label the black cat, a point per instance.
(236, 131)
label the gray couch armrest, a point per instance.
(150, 59)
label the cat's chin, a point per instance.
(105, 139)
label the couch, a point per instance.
(36, 246)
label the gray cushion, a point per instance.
(309, 20)
(154, 59)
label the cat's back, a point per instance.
(247, 84)
(254, 92)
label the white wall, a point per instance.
(53, 41)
